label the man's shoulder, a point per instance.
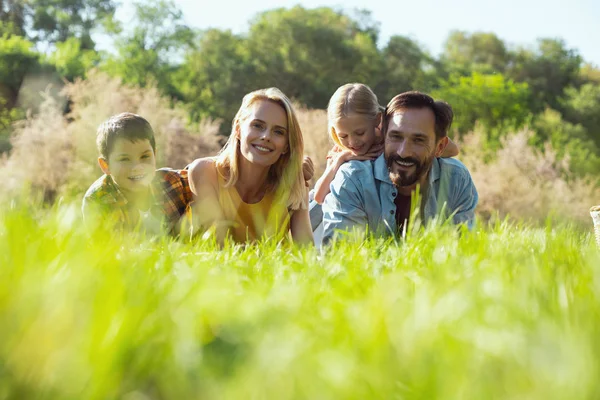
(452, 168)
(355, 170)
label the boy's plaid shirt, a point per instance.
(170, 190)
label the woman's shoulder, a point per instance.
(203, 171)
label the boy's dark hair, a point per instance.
(125, 125)
(442, 110)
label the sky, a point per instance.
(517, 22)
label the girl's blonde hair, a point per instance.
(285, 176)
(351, 98)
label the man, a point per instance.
(377, 193)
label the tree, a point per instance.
(548, 71)
(12, 17)
(582, 106)
(57, 20)
(17, 59)
(480, 52)
(568, 139)
(589, 73)
(308, 53)
(216, 75)
(71, 61)
(154, 48)
(499, 104)
(405, 67)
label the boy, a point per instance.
(130, 189)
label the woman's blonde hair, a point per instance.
(351, 98)
(285, 176)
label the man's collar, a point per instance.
(381, 170)
(434, 172)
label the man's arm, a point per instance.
(343, 208)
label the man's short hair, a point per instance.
(411, 100)
(125, 125)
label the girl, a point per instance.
(254, 188)
(354, 116)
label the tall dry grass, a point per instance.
(316, 140)
(55, 154)
(526, 183)
(42, 153)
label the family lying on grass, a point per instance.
(256, 187)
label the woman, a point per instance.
(255, 187)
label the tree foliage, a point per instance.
(307, 53)
(71, 60)
(499, 104)
(548, 70)
(151, 49)
(17, 58)
(480, 52)
(57, 20)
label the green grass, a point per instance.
(504, 312)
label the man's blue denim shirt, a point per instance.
(362, 194)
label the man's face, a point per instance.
(410, 146)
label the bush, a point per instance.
(526, 183)
(569, 140)
(49, 136)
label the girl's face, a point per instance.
(264, 133)
(356, 132)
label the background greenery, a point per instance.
(307, 53)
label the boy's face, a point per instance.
(131, 164)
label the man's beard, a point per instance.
(404, 178)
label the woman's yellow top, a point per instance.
(250, 222)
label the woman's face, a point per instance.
(264, 133)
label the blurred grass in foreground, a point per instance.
(507, 311)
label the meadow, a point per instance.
(509, 311)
